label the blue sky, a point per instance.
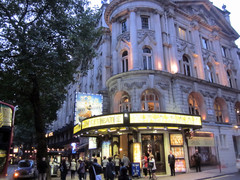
(231, 5)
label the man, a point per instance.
(95, 170)
(171, 162)
(126, 162)
(42, 169)
(104, 165)
(197, 158)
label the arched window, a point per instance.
(125, 61)
(125, 103)
(193, 105)
(186, 66)
(230, 78)
(237, 111)
(218, 111)
(150, 101)
(147, 59)
(210, 72)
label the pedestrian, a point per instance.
(144, 164)
(63, 169)
(121, 167)
(110, 169)
(152, 167)
(124, 175)
(95, 170)
(126, 162)
(87, 164)
(117, 164)
(171, 162)
(104, 165)
(73, 168)
(81, 169)
(197, 158)
(42, 169)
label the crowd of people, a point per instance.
(112, 167)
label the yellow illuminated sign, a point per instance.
(77, 128)
(176, 139)
(137, 152)
(136, 118)
(102, 121)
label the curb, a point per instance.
(215, 176)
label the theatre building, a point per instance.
(166, 78)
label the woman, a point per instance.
(81, 169)
(73, 168)
(152, 167)
(145, 164)
(63, 169)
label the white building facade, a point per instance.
(171, 56)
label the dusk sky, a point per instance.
(231, 5)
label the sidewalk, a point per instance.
(192, 175)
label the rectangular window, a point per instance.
(224, 51)
(205, 43)
(145, 23)
(182, 33)
(124, 26)
(144, 62)
(223, 140)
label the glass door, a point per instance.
(153, 144)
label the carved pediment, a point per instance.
(143, 34)
(134, 84)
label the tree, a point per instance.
(42, 44)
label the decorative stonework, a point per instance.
(134, 84)
(163, 85)
(113, 90)
(185, 89)
(141, 34)
(124, 36)
(183, 47)
(228, 98)
(207, 93)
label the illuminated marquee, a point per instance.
(6, 114)
(136, 118)
(102, 121)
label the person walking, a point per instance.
(95, 170)
(117, 164)
(73, 168)
(144, 164)
(42, 169)
(171, 162)
(197, 158)
(110, 169)
(126, 162)
(63, 169)
(124, 175)
(152, 167)
(104, 165)
(81, 169)
(87, 165)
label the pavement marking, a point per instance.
(220, 177)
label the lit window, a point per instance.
(193, 105)
(237, 111)
(210, 72)
(224, 51)
(124, 26)
(147, 59)
(205, 43)
(145, 23)
(186, 66)
(125, 104)
(150, 101)
(125, 61)
(230, 78)
(218, 111)
(182, 33)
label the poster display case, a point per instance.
(176, 142)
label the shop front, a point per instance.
(138, 133)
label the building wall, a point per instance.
(202, 23)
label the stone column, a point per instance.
(165, 43)
(159, 61)
(133, 40)
(114, 51)
(198, 48)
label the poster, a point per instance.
(137, 152)
(178, 152)
(106, 148)
(92, 143)
(87, 105)
(176, 139)
(180, 165)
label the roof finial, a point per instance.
(224, 7)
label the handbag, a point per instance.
(97, 177)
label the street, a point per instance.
(212, 174)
